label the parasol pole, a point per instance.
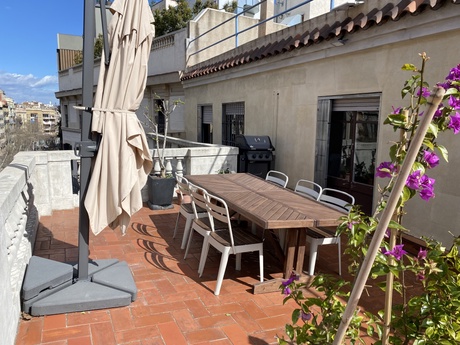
(387, 214)
(87, 146)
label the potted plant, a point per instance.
(160, 185)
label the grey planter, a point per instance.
(161, 191)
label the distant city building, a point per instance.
(46, 116)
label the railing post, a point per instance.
(156, 167)
(168, 166)
(179, 166)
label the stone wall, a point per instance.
(34, 184)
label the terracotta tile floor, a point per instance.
(173, 306)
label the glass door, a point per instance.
(352, 148)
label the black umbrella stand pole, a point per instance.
(52, 287)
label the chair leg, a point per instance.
(203, 256)
(261, 264)
(175, 228)
(238, 262)
(313, 255)
(340, 256)
(188, 225)
(190, 235)
(222, 267)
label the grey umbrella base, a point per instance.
(50, 288)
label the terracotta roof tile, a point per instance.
(363, 21)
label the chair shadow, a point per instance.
(162, 251)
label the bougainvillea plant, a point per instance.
(432, 314)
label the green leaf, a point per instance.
(409, 67)
(398, 120)
(443, 152)
(433, 129)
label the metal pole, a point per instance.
(86, 159)
(374, 246)
(104, 33)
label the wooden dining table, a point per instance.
(271, 207)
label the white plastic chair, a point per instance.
(277, 177)
(186, 210)
(229, 240)
(200, 225)
(341, 201)
(308, 189)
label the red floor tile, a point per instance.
(173, 306)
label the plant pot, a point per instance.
(161, 192)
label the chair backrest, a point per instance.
(308, 189)
(337, 199)
(277, 177)
(182, 185)
(218, 210)
(199, 196)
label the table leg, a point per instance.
(302, 239)
(292, 240)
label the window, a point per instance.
(232, 122)
(204, 130)
(346, 145)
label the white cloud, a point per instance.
(27, 87)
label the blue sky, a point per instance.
(28, 65)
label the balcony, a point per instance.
(173, 305)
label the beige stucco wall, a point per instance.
(281, 93)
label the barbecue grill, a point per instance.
(256, 154)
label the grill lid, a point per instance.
(254, 142)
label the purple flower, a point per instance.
(430, 158)
(424, 92)
(420, 276)
(350, 224)
(422, 254)
(427, 194)
(427, 182)
(396, 110)
(454, 123)
(387, 233)
(305, 316)
(427, 186)
(397, 252)
(413, 181)
(454, 73)
(454, 102)
(286, 283)
(385, 169)
(438, 112)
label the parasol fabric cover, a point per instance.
(123, 160)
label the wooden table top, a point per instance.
(265, 203)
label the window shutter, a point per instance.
(356, 104)
(207, 114)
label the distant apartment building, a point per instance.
(45, 116)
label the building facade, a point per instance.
(322, 89)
